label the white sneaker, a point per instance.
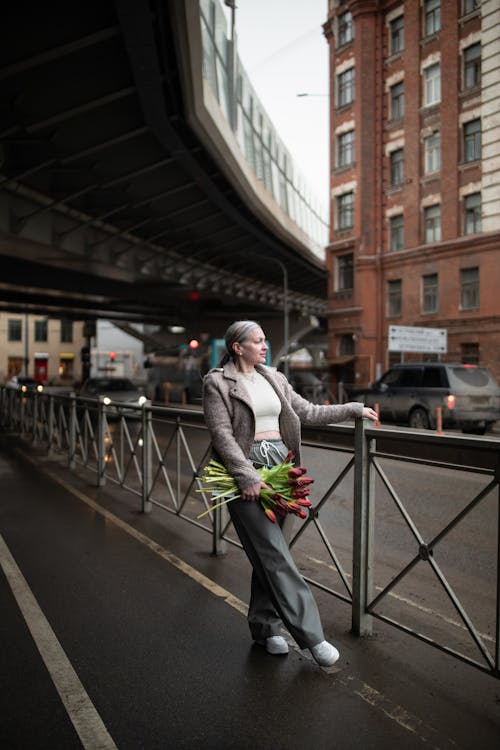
(275, 644)
(324, 654)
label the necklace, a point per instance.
(249, 375)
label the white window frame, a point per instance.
(432, 84)
(432, 224)
(432, 153)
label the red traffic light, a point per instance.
(112, 356)
(194, 344)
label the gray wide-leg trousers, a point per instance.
(279, 594)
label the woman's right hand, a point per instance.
(253, 492)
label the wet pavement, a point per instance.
(121, 630)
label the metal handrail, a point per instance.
(163, 471)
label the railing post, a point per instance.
(219, 545)
(35, 418)
(178, 458)
(147, 457)
(50, 425)
(362, 532)
(8, 414)
(14, 407)
(101, 445)
(22, 411)
(72, 431)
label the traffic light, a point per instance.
(194, 344)
(89, 329)
(112, 356)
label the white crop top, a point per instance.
(265, 402)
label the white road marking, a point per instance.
(410, 602)
(84, 717)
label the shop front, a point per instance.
(66, 366)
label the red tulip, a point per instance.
(301, 482)
(304, 503)
(289, 457)
(296, 472)
(270, 514)
(293, 506)
(300, 492)
(302, 514)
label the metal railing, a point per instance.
(156, 453)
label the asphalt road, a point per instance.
(166, 663)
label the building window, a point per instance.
(345, 211)
(432, 84)
(41, 330)
(346, 345)
(432, 17)
(394, 298)
(345, 272)
(397, 167)
(66, 331)
(14, 329)
(471, 5)
(469, 354)
(432, 153)
(472, 66)
(345, 149)
(397, 232)
(469, 288)
(472, 211)
(397, 35)
(432, 222)
(346, 28)
(430, 293)
(397, 101)
(472, 140)
(345, 87)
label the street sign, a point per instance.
(414, 339)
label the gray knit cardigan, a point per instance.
(231, 420)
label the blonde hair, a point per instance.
(236, 334)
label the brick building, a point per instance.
(415, 179)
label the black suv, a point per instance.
(410, 394)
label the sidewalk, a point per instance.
(153, 626)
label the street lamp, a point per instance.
(286, 332)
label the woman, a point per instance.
(254, 418)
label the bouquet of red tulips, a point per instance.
(287, 493)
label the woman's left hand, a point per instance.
(369, 413)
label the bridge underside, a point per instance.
(110, 206)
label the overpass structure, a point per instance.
(140, 178)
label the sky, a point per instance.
(283, 49)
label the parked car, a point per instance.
(21, 383)
(410, 394)
(119, 390)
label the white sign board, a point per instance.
(413, 339)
